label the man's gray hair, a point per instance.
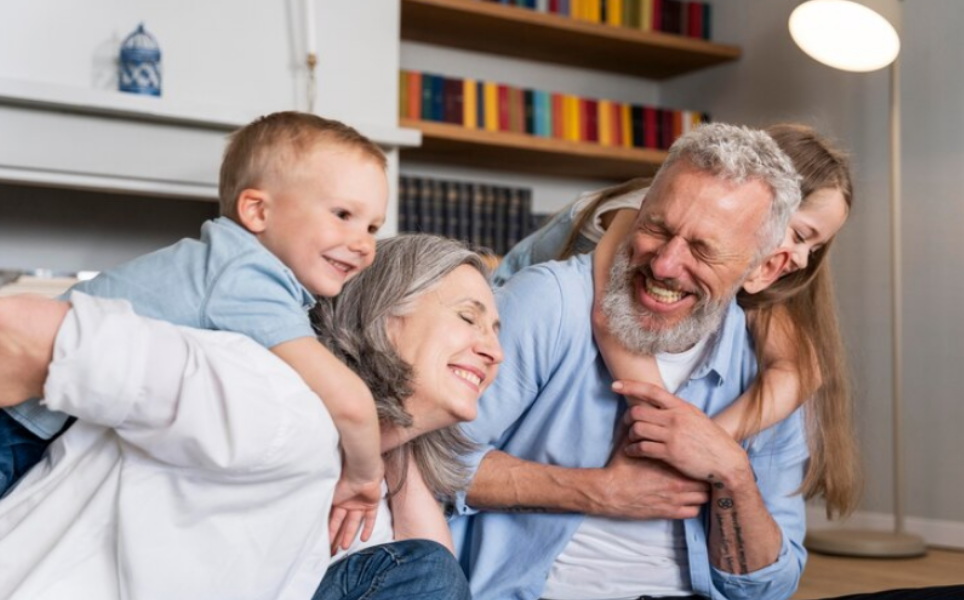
(740, 154)
(354, 325)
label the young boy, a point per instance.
(301, 199)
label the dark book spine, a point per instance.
(478, 213)
(528, 99)
(438, 98)
(480, 104)
(707, 11)
(658, 15)
(464, 210)
(451, 195)
(488, 217)
(403, 204)
(525, 216)
(416, 220)
(637, 112)
(513, 225)
(499, 218)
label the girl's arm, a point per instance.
(622, 363)
(416, 513)
(780, 383)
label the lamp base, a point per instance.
(866, 544)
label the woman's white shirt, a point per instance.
(201, 466)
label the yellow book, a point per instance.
(605, 122)
(646, 15)
(403, 94)
(577, 118)
(614, 12)
(575, 9)
(491, 91)
(470, 107)
(594, 11)
(627, 126)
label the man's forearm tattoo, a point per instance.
(727, 504)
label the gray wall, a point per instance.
(776, 81)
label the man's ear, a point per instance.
(253, 208)
(764, 274)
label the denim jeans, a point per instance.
(412, 569)
(20, 449)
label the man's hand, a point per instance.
(640, 488)
(28, 328)
(666, 428)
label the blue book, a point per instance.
(564, 8)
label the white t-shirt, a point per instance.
(616, 559)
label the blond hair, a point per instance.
(270, 144)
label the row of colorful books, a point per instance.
(691, 19)
(492, 106)
(490, 216)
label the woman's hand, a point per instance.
(355, 506)
(28, 329)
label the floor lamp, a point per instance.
(862, 36)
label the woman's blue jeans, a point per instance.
(407, 570)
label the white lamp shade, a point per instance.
(852, 35)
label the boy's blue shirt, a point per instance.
(226, 281)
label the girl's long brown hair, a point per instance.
(803, 304)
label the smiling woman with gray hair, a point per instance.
(202, 467)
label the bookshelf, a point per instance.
(521, 33)
(453, 144)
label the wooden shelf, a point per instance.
(522, 33)
(453, 144)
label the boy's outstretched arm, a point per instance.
(352, 408)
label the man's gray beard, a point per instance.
(625, 315)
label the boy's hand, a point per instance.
(28, 329)
(355, 506)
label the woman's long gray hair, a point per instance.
(354, 325)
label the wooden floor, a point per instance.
(829, 576)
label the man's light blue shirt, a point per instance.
(552, 404)
(226, 281)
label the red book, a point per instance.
(666, 129)
(657, 15)
(677, 124)
(554, 6)
(617, 122)
(696, 20)
(453, 100)
(650, 127)
(414, 95)
(591, 120)
(503, 107)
